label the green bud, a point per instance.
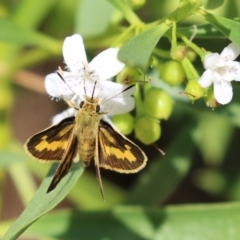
(191, 55)
(178, 53)
(147, 130)
(172, 72)
(194, 91)
(124, 123)
(211, 100)
(128, 76)
(158, 104)
(136, 4)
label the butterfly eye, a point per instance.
(81, 104)
(97, 108)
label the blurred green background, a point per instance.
(199, 174)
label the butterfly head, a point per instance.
(90, 104)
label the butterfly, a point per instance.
(86, 136)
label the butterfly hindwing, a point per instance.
(66, 162)
(118, 153)
(51, 143)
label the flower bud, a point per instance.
(147, 130)
(128, 76)
(158, 104)
(203, 58)
(194, 91)
(178, 53)
(211, 100)
(124, 123)
(172, 72)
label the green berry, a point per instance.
(147, 130)
(178, 53)
(136, 4)
(194, 91)
(191, 55)
(124, 123)
(128, 76)
(158, 104)
(172, 72)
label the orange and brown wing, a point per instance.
(66, 162)
(51, 143)
(118, 153)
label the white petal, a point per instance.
(106, 90)
(206, 79)
(211, 60)
(228, 74)
(106, 65)
(55, 86)
(118, 106)
(70, 112)
(230, 52)
(74, 53)
(223, 91)
(237, 71)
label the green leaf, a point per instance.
(165, 173)
(213, 148)
(93, 17)
(41, 203)
(203, 31)
(137, 51)
(30, 13)
(14, 33)
(228, 27)
(208, 4)
(198, 222)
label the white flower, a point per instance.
(221, 70)
(69, 112)
(86, 79)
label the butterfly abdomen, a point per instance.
(86, 129)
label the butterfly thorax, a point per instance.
(86, 128)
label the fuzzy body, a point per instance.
(86, 129)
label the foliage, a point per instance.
(201, 143)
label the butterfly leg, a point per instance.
(96, 162)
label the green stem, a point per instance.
(189, 69)
(126, 10)
(138, 100)
(161, 53)
(124, 35)
(190, 44)
(174, 35)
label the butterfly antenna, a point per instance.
(94, 87)
(124, 90)
(59, 73)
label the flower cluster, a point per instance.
(221, 70)
(83, 79)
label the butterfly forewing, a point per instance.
(51, 143)
(116, 152)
